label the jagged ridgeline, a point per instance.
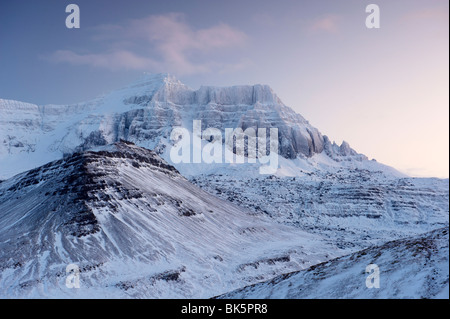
(145, 113)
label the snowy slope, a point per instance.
(136, 228)
(352, 207)
(416, 267)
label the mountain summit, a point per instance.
(145, 112)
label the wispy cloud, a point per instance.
(157, 42)
(328, 24)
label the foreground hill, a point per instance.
(416, 267)
(136, 228)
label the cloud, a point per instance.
(159, 43)
(329, 24)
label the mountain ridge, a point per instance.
(145, 112)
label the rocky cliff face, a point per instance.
(145, 113)
(165, 103)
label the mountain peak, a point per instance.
(146, 111)
(156, 80)
(134, 154)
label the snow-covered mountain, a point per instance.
(139, 225)
(136, 228)
(145, 113)
(415, 267)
